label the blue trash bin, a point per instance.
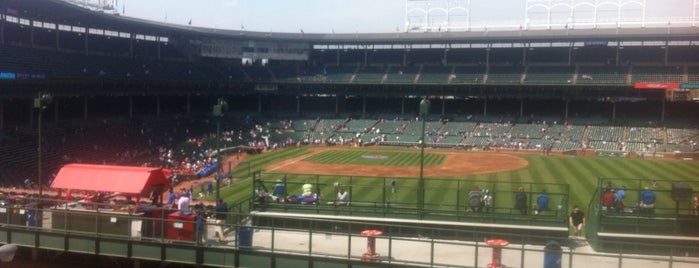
(552, 254)
(244, 237)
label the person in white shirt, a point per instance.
(183, 205)
(342, 197)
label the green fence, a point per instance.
(445, 198)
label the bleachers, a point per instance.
(458, 128)
(467, 75)
(358, 125)
(528, 131)
(693, 74)
(509, 75)
(602, 133)
(435, 74)
(662, 74)
(401, 75)
(549, 75)
(589, 74)
(369, 75)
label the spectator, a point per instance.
(608, 198)
(393, 186)
(221, 212)
(542, 202)
(487, 200)
(183, 204)
(619, 201)
(577, 220)
(342, 197)
(171, 196)
(647, 201)
(209, 188)
(521, 201)
(475, 199)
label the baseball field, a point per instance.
(448, 173)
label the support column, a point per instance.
(521, 108)
(2, 114)
(130, 107)
(259, 104)
(31, 114)
(85, 110)
(444, 104)
(566, 111)
(157, 105)
(662, 111)
(56, 105)
(402, 106)
(485, 107)
(570, 54)
(613, 112)
(337, 105)
(298, 105)
(189, 103)
(363, 106)
(2, 31)
(87, 48)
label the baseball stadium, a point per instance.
(564, 140)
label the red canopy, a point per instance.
(123, 179)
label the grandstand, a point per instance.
(129, 91)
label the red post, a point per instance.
(370, 255)
(497, 245)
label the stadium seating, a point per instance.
(549, 75)
(593, 74)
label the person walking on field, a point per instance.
(576, 220)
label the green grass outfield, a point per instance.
(578, 175)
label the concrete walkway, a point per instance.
(445, 253)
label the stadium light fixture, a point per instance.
(424, 110)
(42, 99)
(219, 110)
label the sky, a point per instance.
(348, 16)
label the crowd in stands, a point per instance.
(188, 145)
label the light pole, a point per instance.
(219, 110)
(40, 102)
(424, 110)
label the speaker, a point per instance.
(681, 191)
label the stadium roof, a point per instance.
(46, 10)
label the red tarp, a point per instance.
(122, 179)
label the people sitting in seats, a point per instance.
(608, 197)
(342, 197)
(261, 195)
(647, 203)
(542, 202)
(307, 196)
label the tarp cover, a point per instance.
(122, 179)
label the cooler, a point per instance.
(181, 227)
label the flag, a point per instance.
(242, 27)
(190, 22)
(123, 9)
(12, 11)
(302, 32)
